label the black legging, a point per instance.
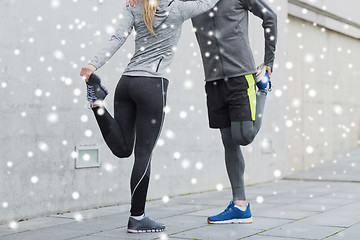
(138, 111)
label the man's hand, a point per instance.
(132, 3)
(87, 71)
(268, 70)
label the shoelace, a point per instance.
(154, 223)
(151, 220)
(91, 93)
(225, 211)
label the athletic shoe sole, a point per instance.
(242, 220)
(145, 231)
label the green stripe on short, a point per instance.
(252, 95)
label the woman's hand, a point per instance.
(87, 71)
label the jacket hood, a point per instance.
(162, 12)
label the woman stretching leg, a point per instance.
(141, 92)
(139, 103)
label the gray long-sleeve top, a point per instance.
(153, 54)
(222, 34)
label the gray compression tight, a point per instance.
(240, 133)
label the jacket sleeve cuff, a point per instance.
(271, 65)
(95, 64)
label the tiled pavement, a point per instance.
(322, 203)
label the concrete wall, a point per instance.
(322, 115)
(44, 114)
(335, 15)
(347, 9)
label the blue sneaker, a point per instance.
(262, 79)
(232, 214)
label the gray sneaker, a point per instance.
(145, 225)
(96, 92)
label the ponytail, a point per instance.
(148, 12)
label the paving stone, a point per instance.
(93, 213)
(38, 223)
(92, 237)
(284, 213)
(313, 207)
(341, 170)
(217, 198)
(331, 198)
(181, 208)
(6, 231)
(283, 199)
(181, 223)
(324, 187)
(345, 216)
(299, 229)
(94, 225)
(261, 223)
(219, 232)
(162, 213)
(304, 193)
(207, 212)
(259, 207)
(283, 186)
(352, 196)
(32, 224)
(292, 193)
(173, 225)
(114, 217)
(177, 238)
(350, 233)
(53, 233)
(264, 237)
(121, 233)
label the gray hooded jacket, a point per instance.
(222, 34)
(153, 54)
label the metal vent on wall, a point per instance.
(87, 157)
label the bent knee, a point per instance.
(244, 140)
(122, 154)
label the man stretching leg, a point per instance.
(233, 105)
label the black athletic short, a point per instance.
(231, 100)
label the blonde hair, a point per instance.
(148, 12)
